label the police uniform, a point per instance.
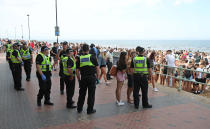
(69, 62)
(141, 65)
(62, 55)
(26, 57)
(87, 66)
(44, 85)
(8, 54)
(16, 69)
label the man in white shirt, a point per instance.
(170, 59)
(109, 63)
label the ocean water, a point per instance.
(194, 45)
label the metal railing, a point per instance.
(180, 77)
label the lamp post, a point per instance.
(57, 32)
(28, 28)
(22, 31)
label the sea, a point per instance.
(193, 45)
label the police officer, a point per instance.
(44, 67)
(27, 58)
(16, 67)
(9, 50)
(142, 70)
(60, 56)
(87, 67)
(69, 70)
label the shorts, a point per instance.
(202, 80)
(121, 76)
(130, 81)
(190, 78)
(170, 71)
(55, 59)
(102, 66)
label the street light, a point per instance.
(28, 28)
(22, 31)
(57, 31)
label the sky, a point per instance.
(107, 19)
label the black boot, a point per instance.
(48, 103)
(91, 112)
(147, 106)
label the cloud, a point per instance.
(178, 2)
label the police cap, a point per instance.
(65, 43)
(85, 47)
(140, 49)
(69, 50)
(44, 48)
(16, 44)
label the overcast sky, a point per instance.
(107, 19)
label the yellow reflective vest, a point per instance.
(85, 60)
(140, 65)
(65, 66)
(46, 64)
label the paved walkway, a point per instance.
(171, 109)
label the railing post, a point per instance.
(180, 76)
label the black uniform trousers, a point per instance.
(17, 75)
(44, 86)
(27, 68)
(62, 83)
(140, 81)
(70, 87)
(109, 65)
(10, 64)
(87, 82)
(61, 78)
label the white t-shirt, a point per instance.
(200, 74)
(110, 56)
(170, 60)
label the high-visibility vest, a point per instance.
(65, 66)
(46, 64)
(13, 58)
(140, 65)
(85, 60)
(9, 47)
(62, 56)
(25, 54)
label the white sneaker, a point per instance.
(107, 83)
(120, 103)
(155, 89)
(207, 88)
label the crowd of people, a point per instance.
(89, 65)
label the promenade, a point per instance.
(171, 109)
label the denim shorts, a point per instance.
(190, 78)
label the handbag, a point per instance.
(113, 71)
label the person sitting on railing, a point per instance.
(207, 69)
(171, 63)
(176, 75)
(163, 71)
(200, 77)
(189, 76)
